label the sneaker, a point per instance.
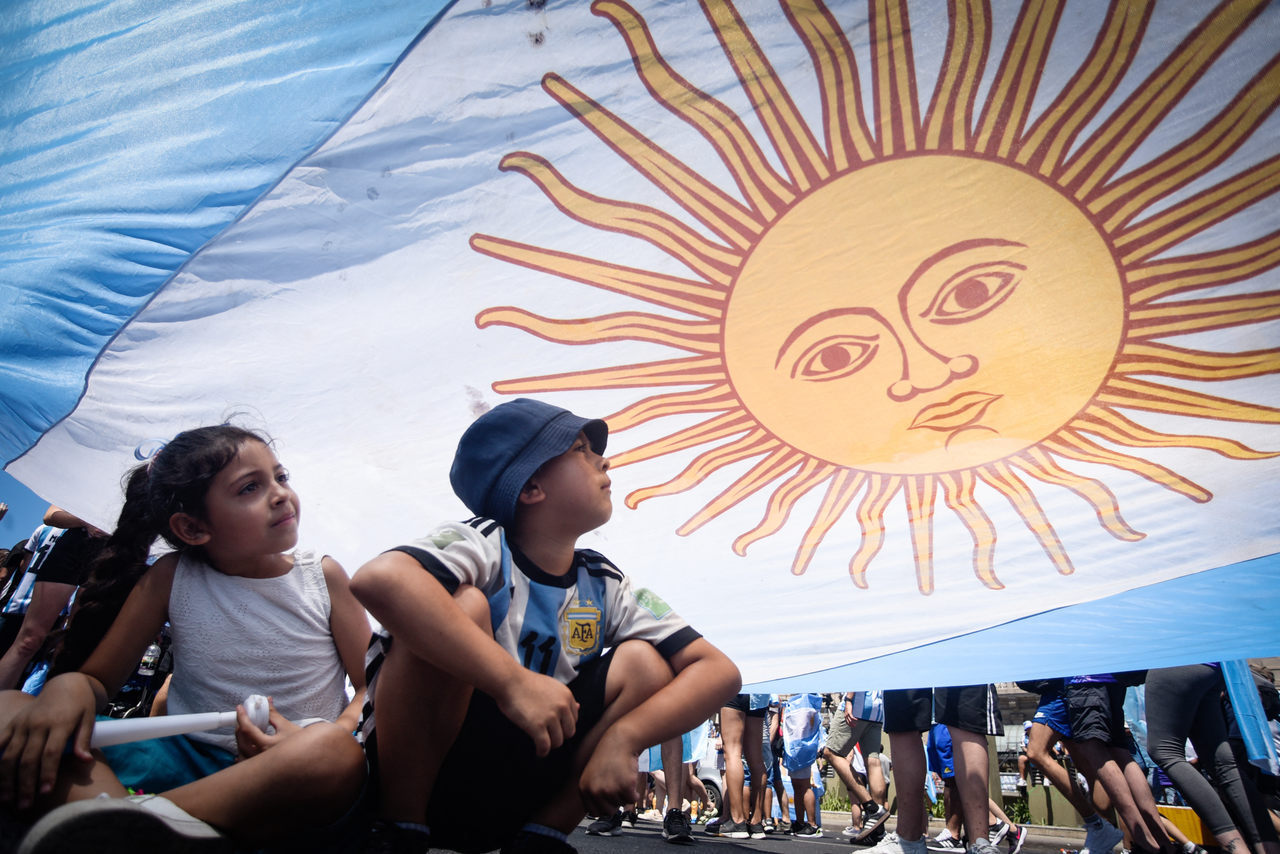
(1101, 839)
(610, 826)
(894, 844)
(871, 821)
(769, 825)
(1017, 836)
(874, 839)
(997, 832)
(630, 817)
(387, 837)
(784, 825)
(136, 823)
(713, 827)
(528, 842)
(804, 830)
(756, 830)
(676, 827)
(728, 828)
(850, 831)
(986, 846)
(941, 843)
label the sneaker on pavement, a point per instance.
(136, 823)
(729, 828)
(941, 843)
(1016, 838)
(610, 826)
(1102, 839)
(997, 832)
(630, 817)
(784, 825)
(804, 830)
(894, 844)
(676, 827)
(769, 825)
(850, 831)
(986, 846)
(871, 821)
(756, 830)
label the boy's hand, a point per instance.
(609, 780)
(250, 741)
(541, 706)
(33, 741)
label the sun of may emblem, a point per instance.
(915, 299)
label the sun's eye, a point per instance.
(832, 358)
(973, 292)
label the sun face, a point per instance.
(909, 326)
(920, 302)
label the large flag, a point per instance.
(938, 344)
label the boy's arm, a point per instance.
(704, 680)
(423, 616)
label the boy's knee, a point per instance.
(637, 665)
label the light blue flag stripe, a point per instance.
(133, 132)
(1224, 613)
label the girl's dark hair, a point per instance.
(175, 480)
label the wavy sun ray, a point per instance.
(1125, 287)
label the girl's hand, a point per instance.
(250, 741)
(35, 738)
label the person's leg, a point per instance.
(753, 749)
(1039, 751)
(953, 821)
(1136, 780)
(419, 712)
(307, 780)
(969, 750)
(908, 776)
(637, 672)
(732, 724)
(877, 781)
(800, 787)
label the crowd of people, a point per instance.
(500, 643)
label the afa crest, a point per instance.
(580, 628)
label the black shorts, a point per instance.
(742, 703)
(908, 710)
(972, 708)
(1095, 710)
(489, 747)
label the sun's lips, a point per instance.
(959, 411)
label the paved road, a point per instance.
(646, 838)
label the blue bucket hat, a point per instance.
(502, 449)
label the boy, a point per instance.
(489, 660)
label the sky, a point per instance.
(26, 509)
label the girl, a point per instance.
(247, 615)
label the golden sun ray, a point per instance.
(875, 305)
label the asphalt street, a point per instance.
(646, 838)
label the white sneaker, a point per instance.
(138, 823)
(1101, 840)
(894, 844)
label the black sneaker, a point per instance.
(804, 830)
(756, 830)
(1016, 838)
(997, 832)
(528, 842)
(872, 819)
(610, 826)
(676, 827)
(728, 827)
(630, 817)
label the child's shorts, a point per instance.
(492, 751)
(160, 764)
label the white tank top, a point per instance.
(234, 636)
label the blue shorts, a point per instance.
(938, 753)
(1052, 712)
(160, 764)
